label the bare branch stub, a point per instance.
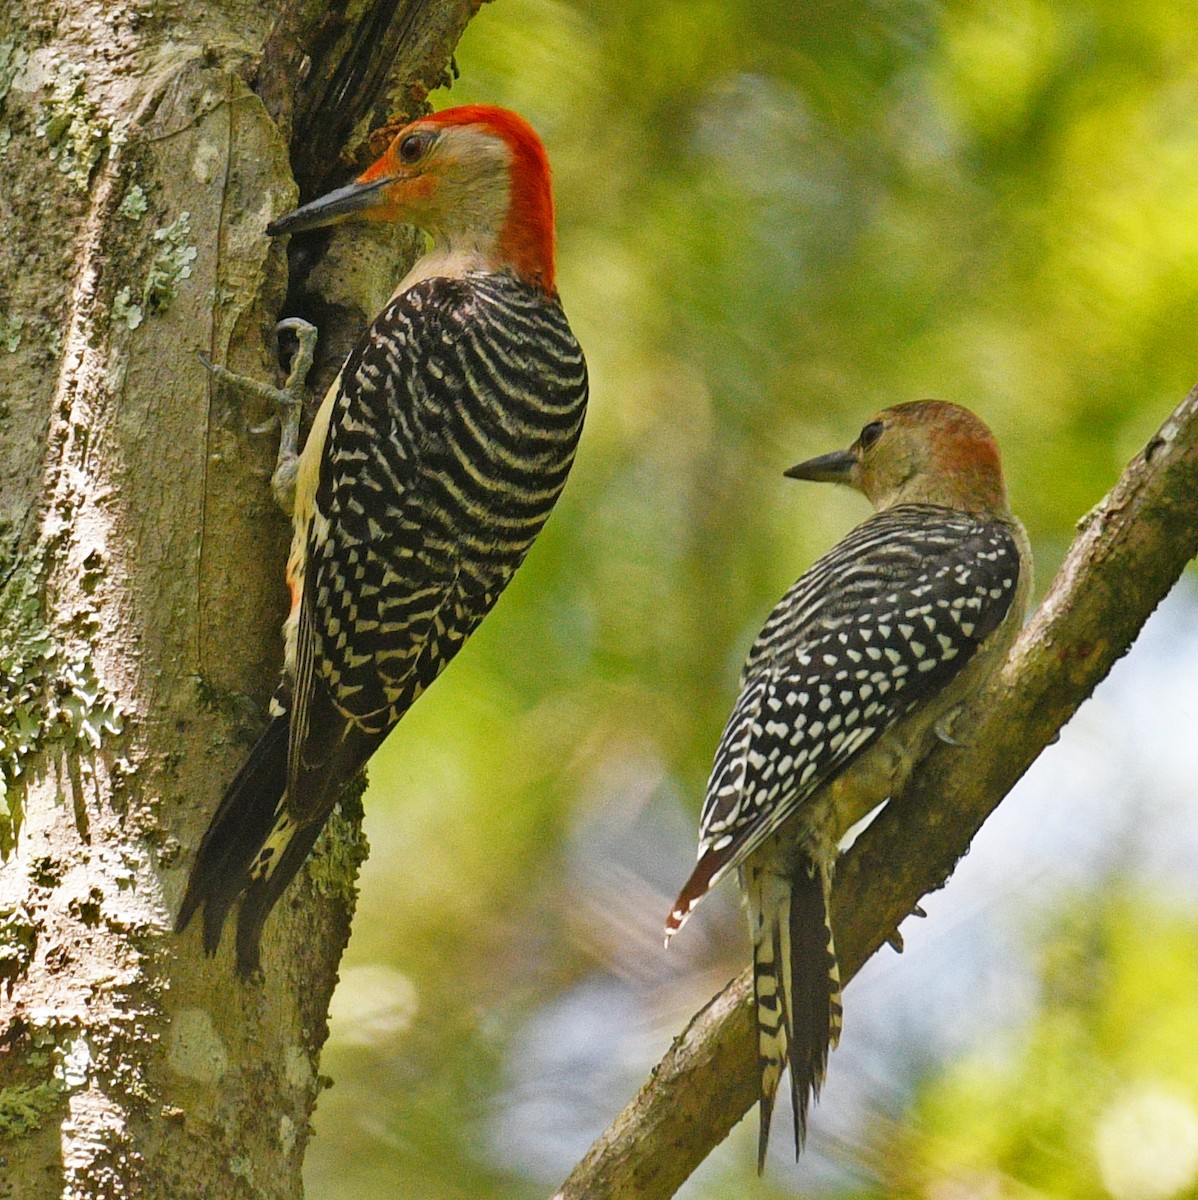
(1131, 550)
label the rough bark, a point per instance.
(1131, 550)
(140, 566)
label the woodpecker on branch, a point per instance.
(862, 664)
(430, 468)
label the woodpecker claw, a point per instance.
(266, 426)
(944, 727)
(301, 364)
(288, 400)
(241, 383)
(895, 941)
(918, 911)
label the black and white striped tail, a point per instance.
(251, 847)
(796, 985)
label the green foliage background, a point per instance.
(774, 219)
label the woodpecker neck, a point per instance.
(492, 208)
(510, 244)
(450, 258)
(447, 259)
(976, 491)
(526, 240)
(932, 452)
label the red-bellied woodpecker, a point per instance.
(864, 661)
(431, 465)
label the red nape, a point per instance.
(527, 238)
(965, 449)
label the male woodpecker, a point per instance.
(861, 665)
(431, 465)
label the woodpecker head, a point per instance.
(925, 452)
(475, 178)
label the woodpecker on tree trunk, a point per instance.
(865, 660)
(431, 466)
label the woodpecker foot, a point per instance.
(291, 405)
(289, 400)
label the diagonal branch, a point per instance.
(1131, 550)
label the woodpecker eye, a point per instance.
(413, 148)
(870, 434)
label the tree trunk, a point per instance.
(143, 148)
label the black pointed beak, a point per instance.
(333, 208)
(836, 467)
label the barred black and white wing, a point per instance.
(483, 389)
(879, 624)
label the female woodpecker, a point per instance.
(432, 464)
(863, 662)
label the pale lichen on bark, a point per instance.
(53, 702)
